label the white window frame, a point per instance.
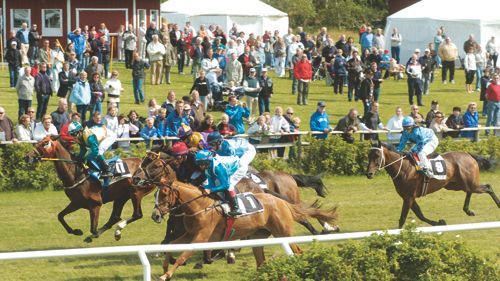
(28, 20)
(54, 31)
(139, 19)
(158, 19)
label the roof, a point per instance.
(486, 10)
(220, 7)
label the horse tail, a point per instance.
(483, 162)
(302, 212)
(311, 181)
(275, 194)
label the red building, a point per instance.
(55, 18)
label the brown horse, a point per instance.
(85, 192)
(462, 170)
(205, 222)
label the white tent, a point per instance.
(251, 16)
(418, 23)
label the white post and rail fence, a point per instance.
(142, 250)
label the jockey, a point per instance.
(91, 139)
(221, 175)
(425, 142)
(233, 147)
(194, 140)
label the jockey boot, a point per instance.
(233, 203)
(105, 169)
(427, 172)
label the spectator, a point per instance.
(94, 67)
(14, 60)
(149, 131)
(153, 108)
(189, 114)
(78, 40)
(303, 74)
(135, 120)
(104, 54)
(141, 37)
(343, 45)
(60, 116)
(293, 61)
(428, 64)
(151, 32)
(371, 121)
(183, 44)
(130, 45)
(258, 129)
(432, 113)
(125, 130)
(396, 40)
(395, 124)
(169, 104)
(23, 36)
(138, 65)
(448, 53)
(66, 79)
(385, 63)
(339, 72)
(470, 66)
(493, 98)
(111, 121)
(156, 51)
(367, 40)
(414, 71)
(471, 120)
(114, 88)
(377, 80)
(34, 41)
(201, 86)
(247, 61)
(44, 128)
(438, 40)
(176, 119)
(98, 93)
(320, 122)
(438, 125)
(196, 54)
(198, 108)
(225, 128)
(470, 43)
(161, 122)
(81, 95)
(455, 121)
(169, 59)
(23, 129)
(492, 51)
(480, 66)
(43, 90)
(121, 43)
(25, 87)
(365, 93)
(234, 70)
(252, 88)
(266, 92)
(378, 39)
(64, 134)
(236, 113)
(207, 125)
(279, 56)
(349, 124)
(279, 125)
(7, 130)
(32, 114)
(354, 71)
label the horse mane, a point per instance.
(389, 146)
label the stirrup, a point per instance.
(234, 213)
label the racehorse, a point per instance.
(462, 173)
(85, 192)
(205, 222)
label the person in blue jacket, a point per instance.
(149, 131)
(236, 113)
(339, 72)
(425, 143)
(79, 41)
(220, 171)
(366, 40)
(320, 122)
(471, 120)
(176, 119)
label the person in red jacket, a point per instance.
(303, 74)
(493, 98)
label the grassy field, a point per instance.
(28, 221)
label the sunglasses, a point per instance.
(291, 113)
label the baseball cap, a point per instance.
(264, 69)
(427, 50)
(417, 50)
(321, 104)
(13, 43)
(252, 69)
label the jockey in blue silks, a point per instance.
(220, 172)
(425, 142)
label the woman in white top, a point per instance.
(111, 121)
(395, 124)
(438, 124)
(23, 130)
(44, 128)
(124, 131)
(153, 108)
(114, 88)
(278, 125)
(470, 69)
(257, 129)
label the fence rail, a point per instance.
(284, 242)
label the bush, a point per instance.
(407, 256)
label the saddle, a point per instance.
(247, 202)
(119, 170)
(438, 165)
(257, 179)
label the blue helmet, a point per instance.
(74, 128)
(203, 156)
(408, 121)
(214, 137)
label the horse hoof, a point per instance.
(470, 213)
(441, 222)
(231, 260)
(88, 239)
(198, 265)
(77, 232)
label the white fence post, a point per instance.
(146, 265)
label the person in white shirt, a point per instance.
(470, 67)
(257, 129)
(210, 64)
(111, 121)
(23, 130)
(414, 71)
(114, 88)
(293, 47)
(44, 128)
(124, 130)
(142, 39)
(395, 124)
(278, 125)
(156, 50)
(492, 51)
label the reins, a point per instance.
(382, 161)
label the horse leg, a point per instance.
(115, 216)
(309, 227)
(200, 237)
(416, 209)
(407, 202)
(466, 209)
(94, 221)
(488, 189)
(69, 209)
(136, 215)
(327, 228)
(258, 252)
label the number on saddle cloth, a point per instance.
(438, 166)
(248, 204)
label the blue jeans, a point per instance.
(86, 61)
(180, 62)
(82, 109)
(294, 83)
(23, 107)
(41, 108)
(479, 74)
(106, 69)
(79, 57)
(96, 107)
(204, 101)
(138, 92)
(376, 94)
(34, 54)
(263, 105)
(493, 114)
(13, 74)
(395, 52)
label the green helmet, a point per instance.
(74, 128)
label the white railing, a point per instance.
(141, 250)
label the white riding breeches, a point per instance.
(426, 150)
(245, 161)
(106, 143)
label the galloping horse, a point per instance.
(85, 192)
(462, 173)
(204, 221)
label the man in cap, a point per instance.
(320, 121)
(266, 92)
(14, 60)
(252, 88)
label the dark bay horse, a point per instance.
(462, 170)
(205, 222)
(84, 192)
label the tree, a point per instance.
(300, 12)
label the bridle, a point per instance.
(382, 165)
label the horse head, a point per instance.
(166, 197)
(376, 159)
(46, 148)
(154, 169)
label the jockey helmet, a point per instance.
(179, 148)
(203, 156)
(214, 137)
(74, 128)
(408, 121)
(184, 132)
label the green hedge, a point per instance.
(408, 256)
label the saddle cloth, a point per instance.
(257, 179)
(248, 204)
(119, 170)
(438, 165)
